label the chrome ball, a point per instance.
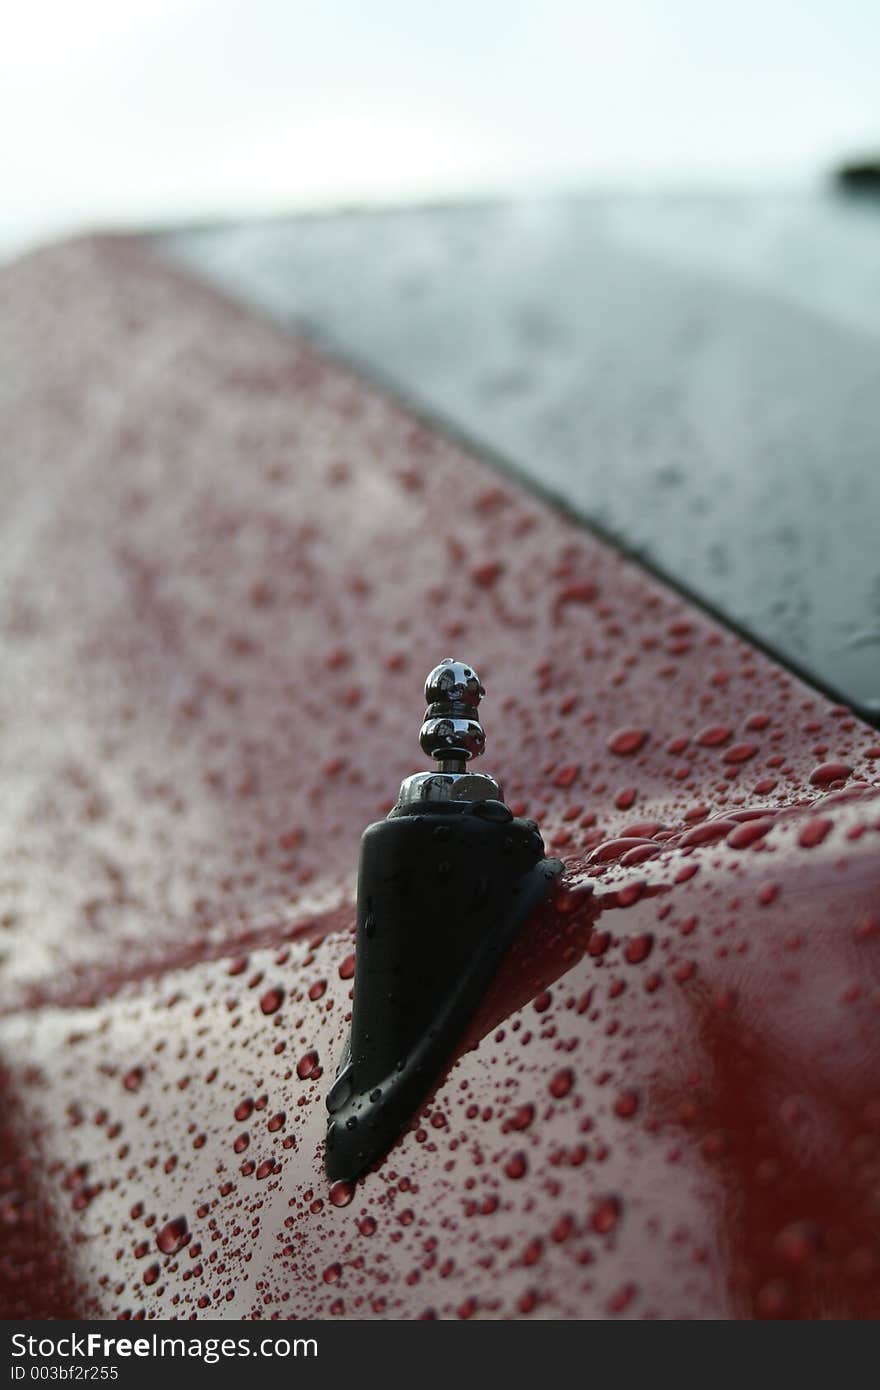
(452, 738)
(451, 730)
(454, 682)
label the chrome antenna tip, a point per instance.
(451, 731)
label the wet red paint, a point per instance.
(226, 569)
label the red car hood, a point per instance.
(226, 565)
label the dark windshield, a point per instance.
(699, 377)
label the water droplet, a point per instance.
(173, 1236)
(625, 742)
(631, 894)
(638, 856)
(582, 591)
(749, 832)
(740, 753)
(827, 773)
(517, 1165)
(638, 948)
(814, 832)
(714, 736)
(773, 1300)
(272, 1000)
(522, 1117)
(562, 1083)
(486, 575)
(566, 775)
(707, 834)
(605, 1215)
(307, 1065)
(621, 1300)
(796, 1242)
(610, 850)
(562, 1230)
(626, 1105)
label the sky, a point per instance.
(145, 112)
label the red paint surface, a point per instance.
(225, 568)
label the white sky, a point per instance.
(161, 110)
